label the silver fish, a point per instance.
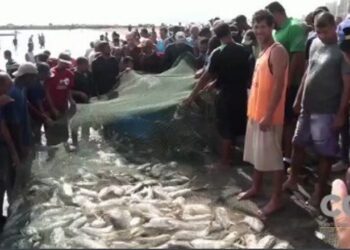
(88, 243)
(267, 242)
(136, 188)
(105, 205)
(199, 217)
(223, 218)
(57, 237)
(97, 232)
(120, 219)
(78, 223)
(190, 235)
(206, 244)
(143, 167)
(179, 193)
(87, 192)
(111, 190)
(98, 223)
(123, 245)
(166, 224)
(254, 223)
(196, 209)
(250, 240)
(282, 245)
(154, 241)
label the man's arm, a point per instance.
(344, 104)
(279, 63)
(10, 144)
(202, 83)
(297, 66)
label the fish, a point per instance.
(206, 244)
(105, 205)
(97, 232)
(87, 192)
(266, 242)
(190, 235)
(199, 217)
(166, 224)
(250, 240)
(107, 192)
(150, 183)
(66, 191)
(120, 219)
(86, 205)
(175, 244)
(173, 188)
(191, 225)
(154, 241)
(160, 194)
(282, 245)
(150, 193)
(179, 193)
(254, 223)
(223, 218)
(157, 170)
(143, 167)
(134, 189)
(136, 221)
(98, 223)
(177, 181)
(57, 237)
(123, 245)
(87, 243)
(78, 223)
(196, 209)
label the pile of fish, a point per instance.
(124, 206)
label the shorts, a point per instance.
(289, 114)
(231, 116)
(58, 132)
(263, 149)
(316, 131)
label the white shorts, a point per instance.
(264, 149)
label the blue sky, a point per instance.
(137, 11)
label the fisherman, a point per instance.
(292, 35)
(58, 93)
(228, 73)
(163, 35)
(150, 62)
(132, 49)
(263, 140)
(105, 70)
(323, 99)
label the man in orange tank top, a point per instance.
(263, 142)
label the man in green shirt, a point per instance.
(292, 35)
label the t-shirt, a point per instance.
(59, 87)
(30, 57)
(173, 51)
(17, 113)
(160, 46)
(312, 35)
(11, 67)
(105, 72)
(230, 64)
(83, 82)
(324, 83)
(292, 35)
(36, 93)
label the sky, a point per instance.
(123, 12)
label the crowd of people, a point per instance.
(283, 83)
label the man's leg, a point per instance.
(298, 158)
(275, 202)
(344, 136)
(256, 187)
(74, 136)
(324, 170)
(226, 154)
(288, 132)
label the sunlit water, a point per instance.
(76, 41)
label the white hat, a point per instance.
(26, 68)
(180, 37)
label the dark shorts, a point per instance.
(290, 98)
(58, 133)
(231, 116)
(315, 131)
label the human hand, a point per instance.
(339, 122)
(265, 123)
(342, 221)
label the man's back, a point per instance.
(173, 51)
(105, 72)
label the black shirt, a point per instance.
(173, 51)
(135, 54)
(83, 82)
(105, 72)
(230, 64)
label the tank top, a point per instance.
(262, 88)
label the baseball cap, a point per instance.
(343, 31)
(26, 68)
(65, 58)
(44, 69)
(180, 37)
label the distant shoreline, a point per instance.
(65, 27)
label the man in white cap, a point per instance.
(58, 97)
(174, 50)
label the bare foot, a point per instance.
(315, 199)
(271, 207)
(290, 184)
(250, 193)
